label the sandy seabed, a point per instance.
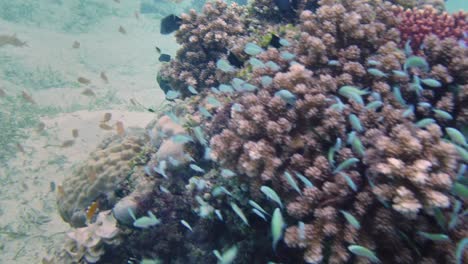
(30, 225)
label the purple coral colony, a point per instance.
(329, 131)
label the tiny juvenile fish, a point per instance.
(75, 133)
(122, 30)
(76, 45)
(104, 77)
(105, 126)
(119, 127)
(27, 97)
(88, 92)
(67, 143)
(92, 210)
(106, 117)
(2, 93)
(40, 127)
(83, 80)
(20, 148)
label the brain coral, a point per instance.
(98, 179)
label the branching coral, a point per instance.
(415, 24)
(204, 39)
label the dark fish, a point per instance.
(158, 49)
(40, 127)
(75, 133)
(164, 57)
(275, 41)
(2, 93)
(83, 80)
(27, 97)
(104, 77)
(234, 60)
(170, 24)
(76, 45)
(122, 30)
(52, 186)
(88, 92)
(107, 117)
(20, 148)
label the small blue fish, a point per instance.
(338, 105)
(456, 136)
(376, 96)
(399, 74)
(219, 215)
(146, 221)
(349, 181)
(425, 122)
(351, 219)
(272, 65)
(171, 95)
(258, 207)
(215, 90)
(345, 164)
(237, 83)
(173, 161)
(213, 101)
(247, 87)
(292, 182)
(398, 95)
(408, 49)
(226, 173)
(408, 111)
(266, 81)
(224, 65)
(224, 88)
(443, 114)
(433, 83)
(355, 123)
(228, 256)
(237, 107)
(164, 189)
(348, 89)
(376, 72)
(287, 96)
(374, 105)
(196, 168)
(350, 138)
(333, 63)
(454, 216)
(424, 105)
(373, 62)
(277, 226)
(239, 212)
(284, 42)
(416, 62)
(271, 194)
(260, 214)
(161, 168)
(434, 237)
(287, 55)
(204, 112)
(301, 231)
(252, 49)
(304, 180)
(459, 251)
(358, 147)
(192, 89)
(363, 252)
(256, 63)
(187, 225)
(181, 138)
(200, 135)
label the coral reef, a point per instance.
(328, 142)
(416, 24)
(100, 178)
(204, 39)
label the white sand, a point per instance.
(48, 69)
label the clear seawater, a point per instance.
(59, 46)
